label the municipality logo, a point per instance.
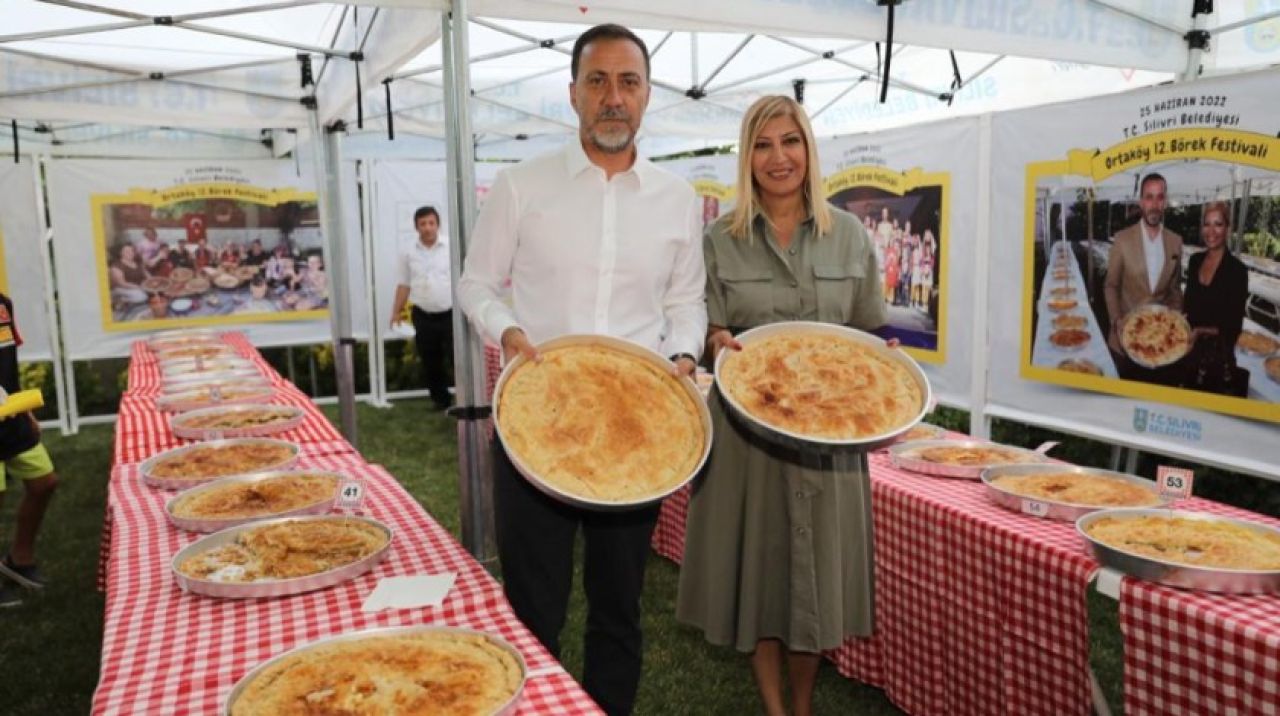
(1154, 422)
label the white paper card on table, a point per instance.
(1109, 582)
(424, 590)
(1174, 482)
(1044, 447)
(351, 495)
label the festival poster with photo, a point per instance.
(904, 213)
(1151, 268)
(1135, 249)
(713, 178)
(165, 244)
(208, 252)
(915, 191)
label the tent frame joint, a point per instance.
(1197, 39)
(1202, 7)
(695, 92)
(309, 101)
(162, 20)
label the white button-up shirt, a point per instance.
(1153, 252)
(587, 254)
(426, 272)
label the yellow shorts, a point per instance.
(30, 465)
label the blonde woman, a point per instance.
(778, 559)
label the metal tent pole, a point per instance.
(475, 479)
(979, 421)
(325, 156)
(50, 302)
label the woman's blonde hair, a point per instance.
(759, 114)
(1219, 206)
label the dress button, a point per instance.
(792, 252)
(794, 284)
(799, 494)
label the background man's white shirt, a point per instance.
(427, 274)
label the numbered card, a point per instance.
(1035, 508)
(351, 495)
(1174, 482)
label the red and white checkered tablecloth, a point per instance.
(978, 609)
(1195, 653)
(167, 651)
(981, 610)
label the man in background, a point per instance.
(424, 281)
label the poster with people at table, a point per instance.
(210, 249)
(904, 212)
(1152, 262)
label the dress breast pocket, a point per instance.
(836, 285)
(748, 295)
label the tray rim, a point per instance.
(799, 441)
(497, 639)
(209, 525)
(166, 483)
(966, 472)
(633, 349)
(1092, 517)
(272, 588)
(1012, 500)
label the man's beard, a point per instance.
(611, 142)
(1153, 218)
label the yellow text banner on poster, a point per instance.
(1224, 145)
(882, 178)
(714, 189)
(192, 192)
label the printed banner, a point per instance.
(147, 245)
(912, 188)
(22, 276)
(714, 178)
(1145, 227)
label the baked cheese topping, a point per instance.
(237, 419)
(1079, 489)
(602, 424)
(1199, 543)
(262, 498)
(287, 550)
(974, 455)
(821, 386)
(207, 462)
(427, 673)
(1155, 337)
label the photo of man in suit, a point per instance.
(1144, 266)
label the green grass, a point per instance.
(50, 646)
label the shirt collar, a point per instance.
(441, 240)
(577, 161)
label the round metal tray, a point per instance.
(216, 351)
(179, 334)
(272, 587)
(1047, 508)
(196, 524)
(207, 381)
(798, 441)
(176, 423)
(169, 483)
(184, 367)
(185, 381)
(902, 456)
(186, 400)
(1155, 308)
(1228, 581)
(507, 709)
(618, 344)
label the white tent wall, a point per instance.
(22, 241)
(92, 140)
(1169, 423)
